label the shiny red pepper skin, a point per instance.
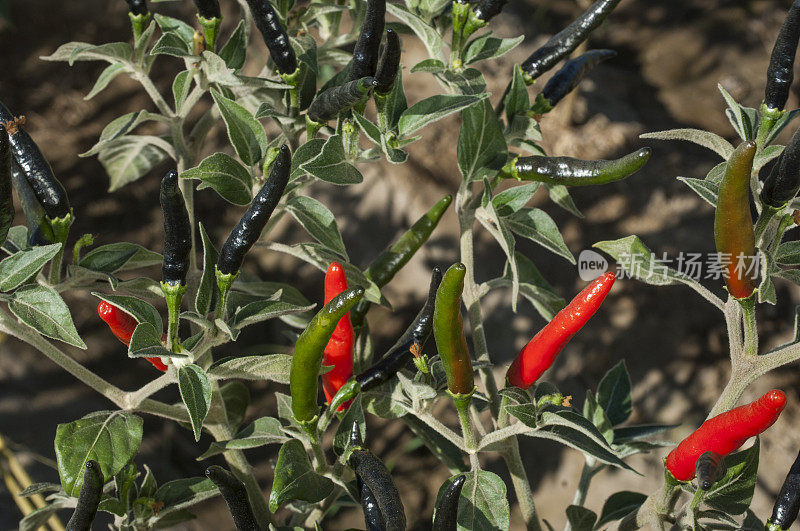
(122, 325)
(725, 433)
(541, 351)
(339, 351)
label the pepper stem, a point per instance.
(294, 97)
(84, 241)
(311, 128)
(224, 283)
(348, 391)
(462, 402)
(139, 24)
(769, 118)
(60, 227)
(210, 30)
(173, 293)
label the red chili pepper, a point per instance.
(122, 325)
(725, 433)
(541, 351)
(339, 351)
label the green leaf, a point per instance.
(38, 518)
(272, 367)
(220, 74)
(245, 132)
(195, 391)
(113, 52)
(43, 309)
(434, 108)
(118, 128)
(444, 450)
(22, 265)
(788, 253)
(538, 227)
(106, 76)
(234, 51)
(614, 394)
(633, 433)
(494, 225)
(181, 493)
(707, 190)
(172, 25)
(483, 504)
(488, 47)
(261, 432)
(171, 44)
(118, 257)
(354, 413)
(146, 343)
(236, 397)
(517, 100)
(331, 165)
(708, 140)
(295, 478)
(559, 194)
(428, 35)
(180, 88)
(780, 125)
(619, 505)
(318, 221)
(534, 287)
(263, 310)
(305, 153)
(734, 492)
(206, 296)
(139, 309)
(226, 176)
(396, 103)
(111, 438)
(512, 199)
(128, 158)
(481, 147)
(432, 66)
(594, 412)
(581, 518)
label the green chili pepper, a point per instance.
(6, 199)
(328, 104)
(235, 495)
(733, 224)
(210, 17)
(575, 172)
(448, 330)
(88, 498)
(308, 351)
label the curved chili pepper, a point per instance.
(575, 172)
(733, 224)
(446, 513)
(39, 230)
(389, 64)
(309, 349)
(208, 8)
(448, 330)
(339, 350)
(249, 228)
(88, 498)
(122, 325)
(235, 496)
(780, 72)
(565, 80)
(328, 104)
(275, 37)
(541, 351)
(392, 259)
(37, 170)
(373, 519)
(137, 7)
(488, 9)
(373, 473)
(725, 433)
(365, 53)
(565, 41)
(177, 231)
(783, 182)
(787, 505)
(710, 468)
(6, 195)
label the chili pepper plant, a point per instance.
(330, 92)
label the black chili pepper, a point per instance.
(565, 80)
(249, 228)
(783, 181)
(208, 8)
(389, 63)
(6, 195)
(235, 495)
(365, 53)
(373, 519)
(275, 37)
(373, 473)
(88, 498)
(710, 468)
(565, 41)
(328, 104)
(446, 514)
(39, 230)
(784, 513)
(137, 7)
(177, 231)
(37, 170)
(576, 172)
(780, 72)
(488, 9)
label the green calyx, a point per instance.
(312, 127)
(173, 293)
(509, 171)
(774, 527)
(541, 105)
(60, 226)
(462, 400)
(422, 364)
(224, 283)
(210, 30)
(472, 24)
(139, 23)
(291, 79)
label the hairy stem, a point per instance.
(522, 487)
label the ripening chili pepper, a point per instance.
(780, 72)
(710, 468)
(249, 228)
(122, 325)
(177, 231)
(88, 498)
(541, 351)
(6, 195)
(575, 172)
(725, 433)
(783, 182)
(235, 496)
(37, 170)
(391, 260)
(373, 473)
(309, 349)
(208, 8)
(339, 350)
(446, 513)
(39, 230)
(565, 80)
(137, 7)
(329, 103)
(733, 224)
(365, 52)
(488, 9)
(448, 330)
(787, 505)
(275, 37)
(389, 64)
(565, 41)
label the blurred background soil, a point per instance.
(671, 57)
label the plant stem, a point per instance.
(60, 228)
(462, 405)
(587, 473)
(522, 487)
(134, 399)
(750, 328)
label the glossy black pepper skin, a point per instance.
(783, 181)
(486, 10)
(6, 195)
(446, 514)
(137, 7)
(208, 8)
(177, 231)
(784, 513)
(331, 102)
(389, 63)
(780, 72)
(564, 42)
(372, 473)
(275, 36)
(88, 498)
(365, 53)
(249, 228)
(39, 230)
(565, 80)
(235, 496)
